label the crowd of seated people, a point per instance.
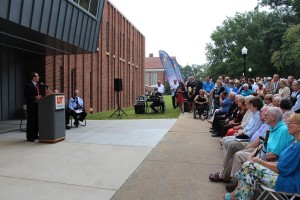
(260, 134)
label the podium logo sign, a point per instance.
(59, 102)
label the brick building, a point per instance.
(72, 44)
(120, 54)
(154, 71)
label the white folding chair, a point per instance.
(266, 192)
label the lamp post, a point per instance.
(244, 53)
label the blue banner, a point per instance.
(168, 66)
(177, 70)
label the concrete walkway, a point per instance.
(114, 159)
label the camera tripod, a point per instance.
(119, 112)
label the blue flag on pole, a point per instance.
(177, 70)
(168, 66)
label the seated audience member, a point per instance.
(253, 125)
(295, 97)
(284, 91)
(286, 106)
(276, 100)
(279, 139)
(282, 176)
(76, 108)
(246, 91)
(224, 127)
(201, 103)
(269, 100)
(248, 115)
(158, 102)
(225, 118)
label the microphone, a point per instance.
(43, 85)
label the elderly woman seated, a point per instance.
(283, 176)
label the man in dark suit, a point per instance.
(32, 95)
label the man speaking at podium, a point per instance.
(77, 108)
(32, 95)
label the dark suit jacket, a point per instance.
(30, 92)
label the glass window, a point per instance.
(85, 4)
(94, 7)
(146, 78)
(89, 5)
(154, 78)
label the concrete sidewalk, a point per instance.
(114, 159)
(179, 166)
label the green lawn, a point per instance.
(170, 113)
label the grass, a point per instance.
(170, 113)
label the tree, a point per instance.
(260, 32)
(287, 59)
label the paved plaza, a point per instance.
(114, 159)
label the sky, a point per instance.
(181, 28)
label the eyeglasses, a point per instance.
(293, 123)
(266, 115)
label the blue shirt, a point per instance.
(288, 165)
(73, 105)
(279, 138)
(208, 86)
(225, 105)
(244, 93)
(233, 89)
(253, 124)
(260, 132)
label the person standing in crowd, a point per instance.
(261, 90)
(76, 108)
(208, 86)
(181, 96)
(231, 87)
(295, 97)
(174, 87)
(275, 85)
(216, 94)
(32, 95)
(191, 87)
(284, 91)
(199, 84)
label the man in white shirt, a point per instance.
(76, 108)
(174, 87)
(160, 87)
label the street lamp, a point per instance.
(244, 53)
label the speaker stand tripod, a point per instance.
(119, 112)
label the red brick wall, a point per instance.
(95, 72)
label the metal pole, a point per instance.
(244, 55)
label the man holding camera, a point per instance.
(76, 108)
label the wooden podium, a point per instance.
(52, 123)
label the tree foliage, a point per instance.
(259, 32)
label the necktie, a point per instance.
(37, 88)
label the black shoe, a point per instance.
(36, 137)
(30, 140)
(76, 123)
(230, 188)
(215, 135)
(68, 127)
(213, 130)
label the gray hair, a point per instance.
(278, 98)
(233, 94)
(276, 112)
(247, 98)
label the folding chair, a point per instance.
(80, 123)
(266, 191)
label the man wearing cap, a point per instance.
(261, 90)
(268, 86)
